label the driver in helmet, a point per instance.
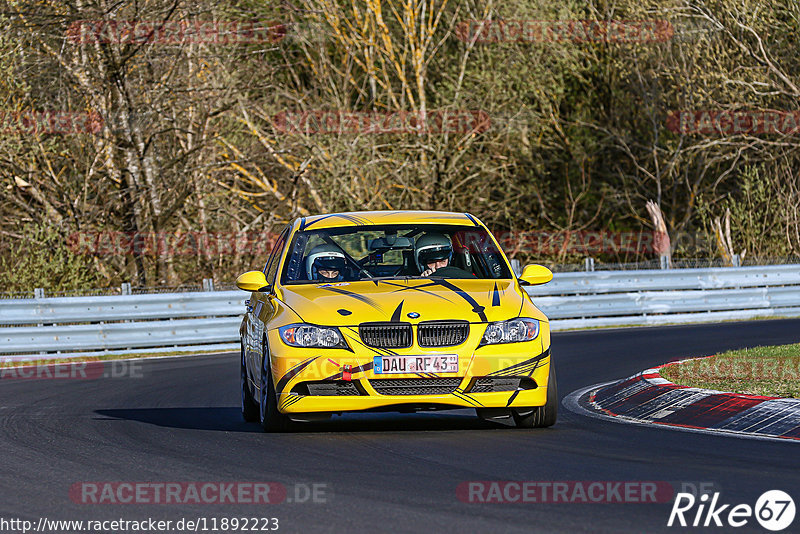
(325, 264)
(433, 253)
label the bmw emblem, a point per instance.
(412, 315)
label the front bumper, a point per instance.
(295, 368)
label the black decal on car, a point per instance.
(397, 312)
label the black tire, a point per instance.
(271, 419)
(249, 404)
(541, 416)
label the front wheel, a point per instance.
(271, 419)
(541, 416)
(249, 404)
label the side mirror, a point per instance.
(252, 281)
(536, 274)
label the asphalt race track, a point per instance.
(178, 420)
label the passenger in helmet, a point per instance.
(433, 253)
(325, 263)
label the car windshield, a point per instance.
(354, 253)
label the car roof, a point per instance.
(368, 218)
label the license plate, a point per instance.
(432, 363)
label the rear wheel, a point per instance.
(249, 404)
(271, 419)
(541, 416)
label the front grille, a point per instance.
(386, 335)
(442, 333)
(415, 386)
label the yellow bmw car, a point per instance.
(393, 311)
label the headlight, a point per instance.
(512, 331)
(308, 335)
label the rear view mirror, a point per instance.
(389, 242)
(536, 274)
(252, 281)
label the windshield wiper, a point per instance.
(395, 277)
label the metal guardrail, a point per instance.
(67, 327)
(648, 297)
(120, 335)
(119, 308)
(64, 327)
(658, 280)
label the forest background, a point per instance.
(160, 142)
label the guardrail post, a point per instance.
(208, 284)
(588, 264)
(125, 289)
(736, 260)
(38, 293)
(665, 262)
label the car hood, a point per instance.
(351, 303)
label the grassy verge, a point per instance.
(770, 371)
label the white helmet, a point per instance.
(432, 247)
(325, 257)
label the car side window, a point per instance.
(275, 249)
(275, 258)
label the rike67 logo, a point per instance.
(774, 510)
